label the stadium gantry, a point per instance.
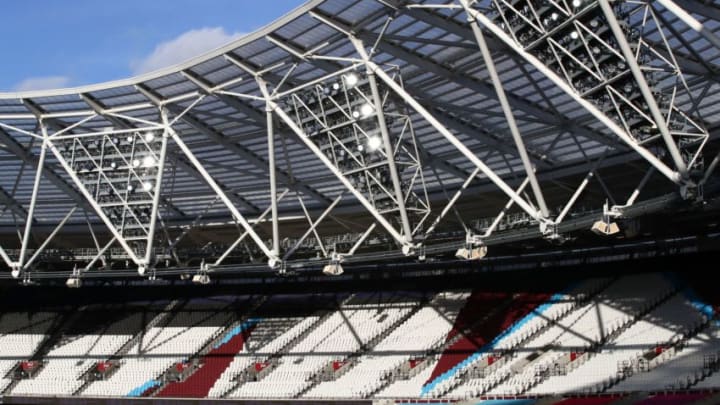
(350, 131)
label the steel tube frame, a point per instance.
(634, 195)
(672, 175)
(324, 159)
(387, 143)
(158, 189)
(100, 253)
(272, 259)
(271, 167)
(507, 111)
(452, 202)
(574, 197)
(504, 211)
(390, 154)
(98, 210)
(644, 88)
(313, 225)
(487, 171)
(273, 182)
(49, 238)
(360, 241)
(242, 237)
(310, 221)
(33, 199)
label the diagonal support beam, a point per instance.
(58, 126)
(12, 204)
(491, 175)
(273, 260)
(326, 161)
(28, 157)
(644, 88)
(509, 117)
(707, 10)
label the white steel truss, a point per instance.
(358, 123)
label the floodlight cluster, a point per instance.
(119, 171)
(339, 116)
(576, 42)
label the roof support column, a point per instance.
(158, 185)
(33, 202)
(273, 181)
(507, 110)
(387, 143)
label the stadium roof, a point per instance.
(216, 106)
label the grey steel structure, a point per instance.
(366, 121)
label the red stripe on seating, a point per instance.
(477, 307)
(213, 364)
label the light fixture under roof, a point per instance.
(149, 136)
(351, 79)
(366, 110)
(147, 186)
(374, 143)
(149, 161)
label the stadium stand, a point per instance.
(599, 337)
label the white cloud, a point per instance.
(43, 83)
(186, 46)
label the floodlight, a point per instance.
(471, 253)
(201, 279)
(374, 143)
(73, 282)
(333, 269)
(351, 79)
(606, 228)
(366, 110)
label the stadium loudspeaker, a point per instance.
(73, 282)
(333, 269)
(201, 279)
(605, 228)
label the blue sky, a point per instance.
(61, 43)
